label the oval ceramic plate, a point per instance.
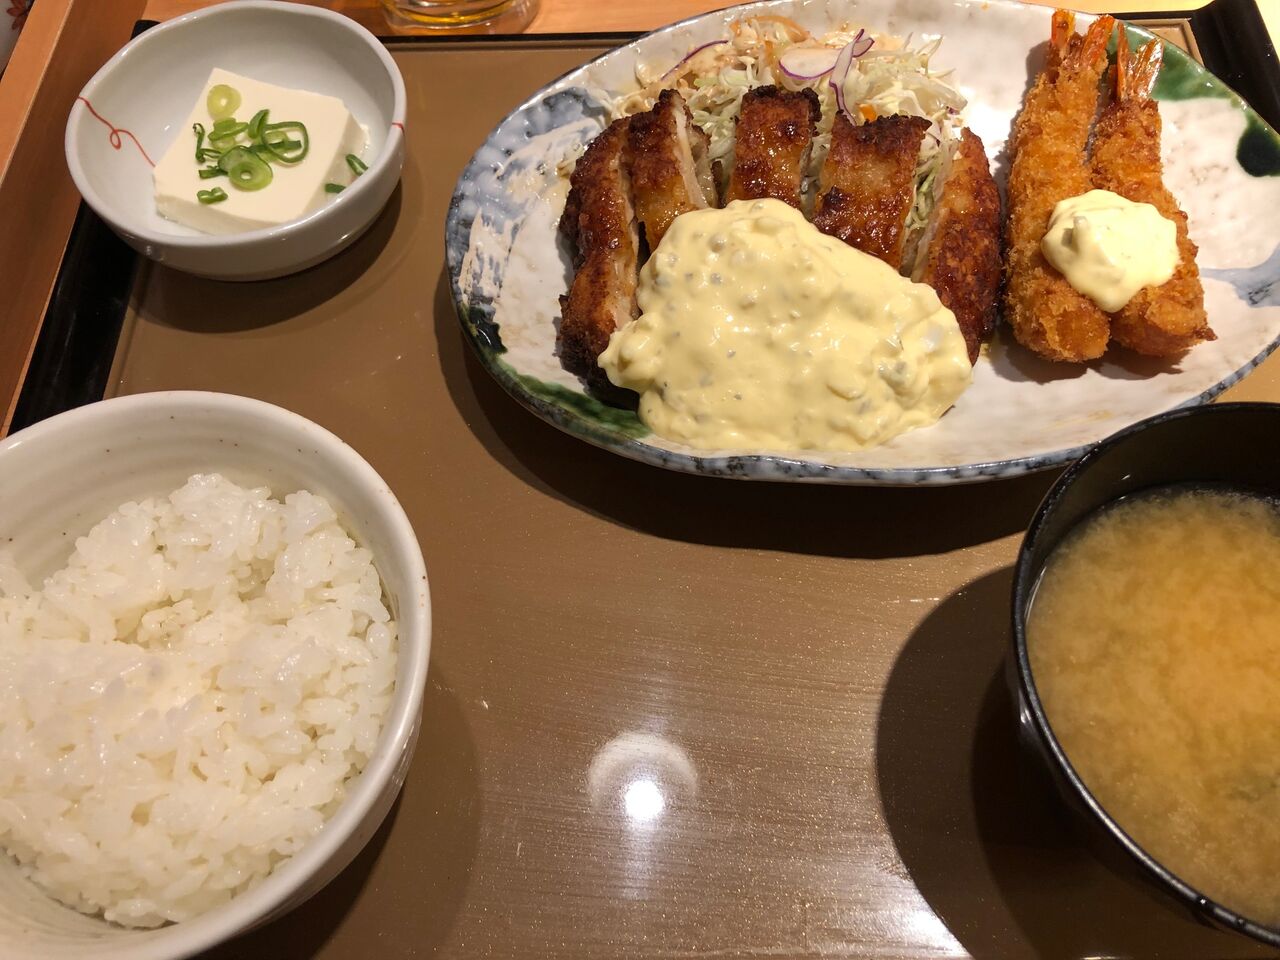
(1021, 414)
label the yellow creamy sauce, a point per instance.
(1154, 641)
(1109, 247)
(758, 331)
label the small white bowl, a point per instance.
(128, 115)
(62, 475)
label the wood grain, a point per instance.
(54, 58)
(579, 16)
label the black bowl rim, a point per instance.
(1024, 581)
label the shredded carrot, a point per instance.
(868, 111)
(794, 30)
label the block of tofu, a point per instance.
(295, 189)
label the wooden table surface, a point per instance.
(667, 717)
(575, 16)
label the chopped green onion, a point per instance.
(222, 101)
(276, 135)
(267, 152)
(216, 195)
(248, 164)
(255, 125)
(226, 139)
(333, 188)
(357, 165)
(246, 170)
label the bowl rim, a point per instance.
(391, 148)
(400, 725)
(1025, 579)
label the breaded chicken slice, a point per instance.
(600, 221)
(961, 258)
(867, 184)
(774, 136)
(670, 169)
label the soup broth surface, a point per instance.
(1154, 641)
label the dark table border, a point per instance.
(72, 360)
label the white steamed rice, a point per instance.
(182, 704)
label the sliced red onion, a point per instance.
(855, 48)
(862, 43)
(838, 74)
(690, 55)
(808, 63)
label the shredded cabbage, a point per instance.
(891, 78)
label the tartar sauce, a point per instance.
(1109, 247)
(757, 331)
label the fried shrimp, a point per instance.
(1165, 320)
(1049, 164)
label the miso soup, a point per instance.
(1154, 641)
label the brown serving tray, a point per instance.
(810, 678)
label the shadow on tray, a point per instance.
(802, 518)
(977, 824)
(219, 306)
(436, 824)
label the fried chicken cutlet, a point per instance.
(600, 221)
(962, 244)
(774, 135)
(670, 169)
(866, 187)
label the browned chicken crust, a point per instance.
(867, 183)
(1048, 143)
(1166, 320)
(962, 262)
(600, 221)
(774, 135)
(670, 169)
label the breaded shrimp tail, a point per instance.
(1048, 145)
(1165, 320)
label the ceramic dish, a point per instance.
(1021, 414)
(1215, 446)
(127, 116)
(62, 475)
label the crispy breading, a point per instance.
(1048, 143)
(774, 135)
(1165, 320)
(600, 220)
(962, 259)
(670, 169)
(867, 183)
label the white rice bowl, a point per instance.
(182, 705)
